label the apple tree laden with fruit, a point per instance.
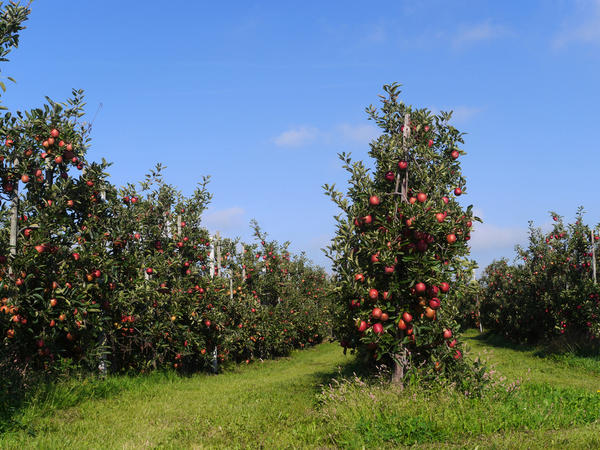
(549, 292)
(401, 239)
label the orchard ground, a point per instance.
(312, 399)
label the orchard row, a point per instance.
(550, 291)
(128, 278)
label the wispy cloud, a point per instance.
(487, 236)
(345, 133)
(460, 114)
(296, 137)
(360, 134)
(484, 31)
(583, 27)
(224, 219)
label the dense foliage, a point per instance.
(402, 239)
(550, 290)
(128, 279)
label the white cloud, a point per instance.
(344, 133)
(462, 114)
(224, 219)
(360, 134)
(492, 237)
(476, 33)
(585, 28)
(296, 137)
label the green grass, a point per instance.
(282, 404)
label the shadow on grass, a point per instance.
(572, 345)
(494, 340)
(348, 369)
(47, 394)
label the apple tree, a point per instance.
(402, 238)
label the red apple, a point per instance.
(402, 165)
(434, 303)
(374, 200)
(420, 287)
(447, 334)
(451, 238)
(376, 313)
(454, 154)
(362, 326)
(407, 317)
(377, 328)
(373, 294)
(389, 176)
(422, 197)
(457, 191)
(444, 287)
(54, 133)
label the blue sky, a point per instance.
(263, 95)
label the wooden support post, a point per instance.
(14, 220)
(178, 226)
(218, 269)
(593, 257)
(401, 187)
(212, 259)
(215, 363)
(401, 360)
(243, 267)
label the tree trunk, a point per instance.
(400, 364)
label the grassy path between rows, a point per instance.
(278, 404)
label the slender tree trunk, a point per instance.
(400, 363)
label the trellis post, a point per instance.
(401, 359)
(14, 218)
(593, 257)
